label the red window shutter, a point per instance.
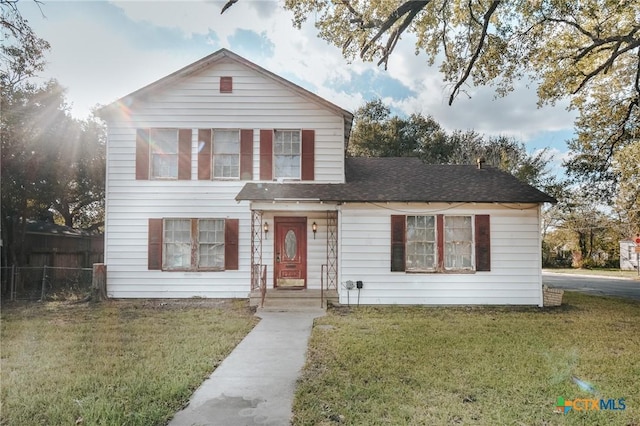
(483, 242)
(440, 238)
(246, 154)
(204, 154)
(398, 235)
(155, 244)
(231, 244)
(226, 84)
(142, 154)
(266, 154)
(184, 154)
(308, 154)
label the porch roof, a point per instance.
(404, 180)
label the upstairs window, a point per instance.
(226, 154)
(164, 153)
(286, 154)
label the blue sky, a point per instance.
(101, 51)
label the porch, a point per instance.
(296, 300)
(294, 256)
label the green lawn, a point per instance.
(485, 366)
(114, 363)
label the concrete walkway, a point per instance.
(255, 384)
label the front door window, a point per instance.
(290, 244)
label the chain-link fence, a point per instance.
(45, 282)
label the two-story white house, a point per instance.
(223, 177)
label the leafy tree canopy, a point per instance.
(53, 166)
(376, 133)
(587, 51)
(21, 50)
(627, 202)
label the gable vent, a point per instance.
(226, 84)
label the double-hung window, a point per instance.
(177, 244)
(438, 243)
(458, 242)
(210, 243)
(193, 244)
(164, 153)
(421, 243)
(226, 154)
(286, 154)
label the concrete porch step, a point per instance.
(292, 300)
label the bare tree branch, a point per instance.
(228, 5)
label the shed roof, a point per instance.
(404, 179)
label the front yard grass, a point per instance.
(113, 363)
(479, 366)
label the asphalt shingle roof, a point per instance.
(405, 179)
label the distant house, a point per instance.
(223, 174)
(628, 255)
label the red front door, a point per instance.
(290, 252)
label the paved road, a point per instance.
(594, 285)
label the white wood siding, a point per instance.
(257, 102)
(515, 276)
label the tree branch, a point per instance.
(411, 7)
(476, 54)
(606, 65)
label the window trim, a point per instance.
(480, 247)
(195, 246)
(307, 167)
(435, 241)
(143, 150)
(273, 153)
(473, 244)
(213, 155)
(156, 260)
(153, 133)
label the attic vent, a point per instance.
(226, 84)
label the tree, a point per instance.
(626, 164)
(581, 50)
(27, 172)
(21, 51)
(52, 164)
(376, 133)
(80, 178)
(581, 227)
